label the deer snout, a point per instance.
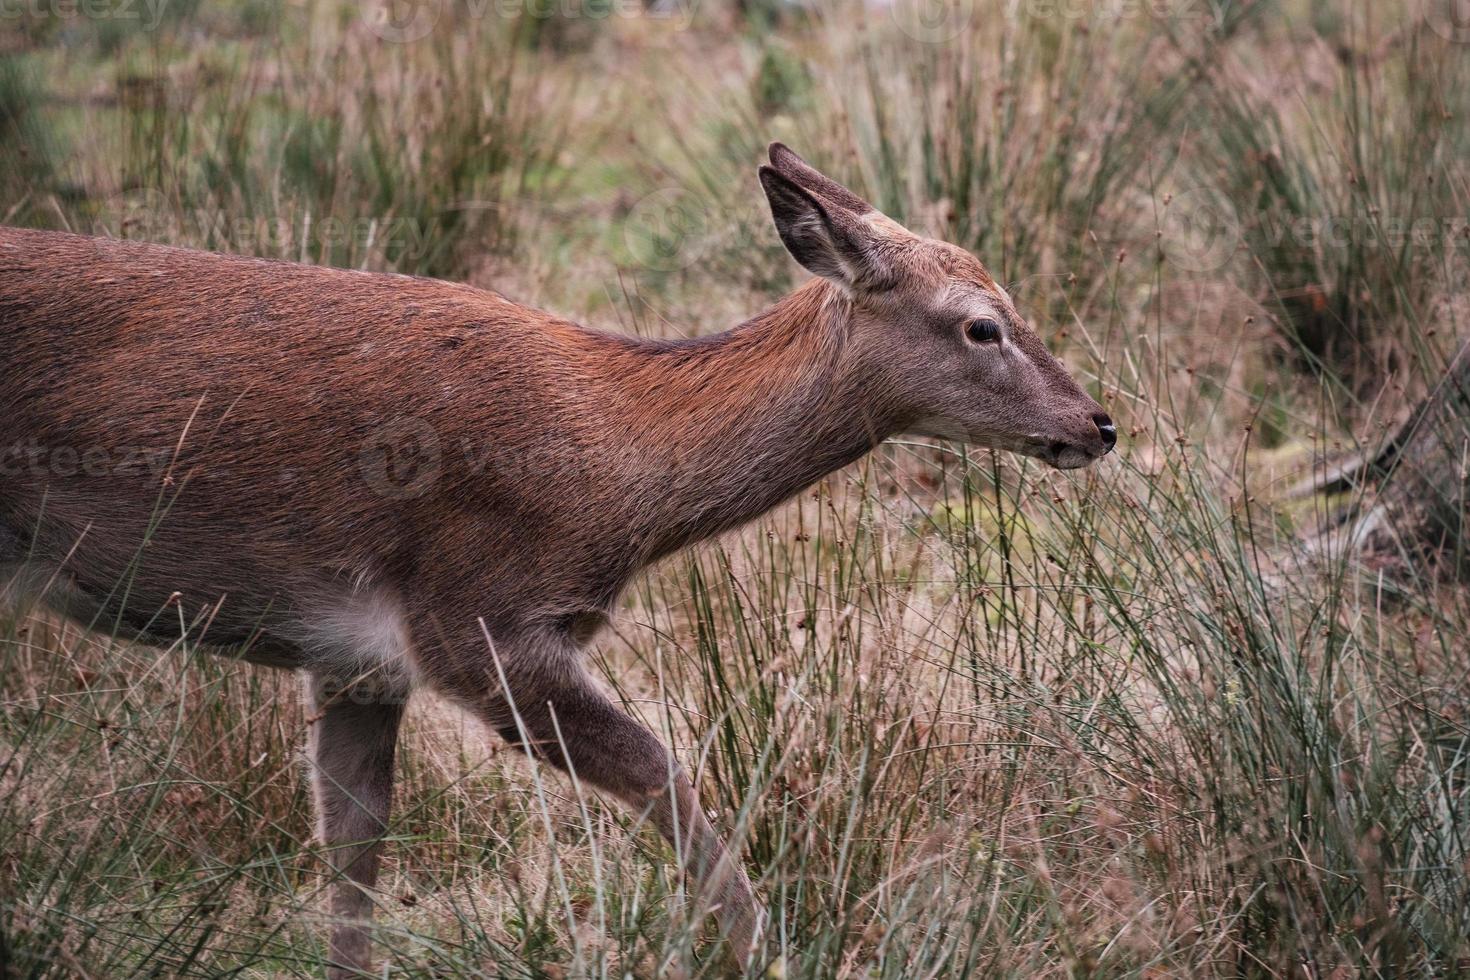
(1092, 436)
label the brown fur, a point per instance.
(215, 426)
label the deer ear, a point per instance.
(826, 238)
(785, 160)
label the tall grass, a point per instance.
(969, 717)
(1352, 201)
(252, 146)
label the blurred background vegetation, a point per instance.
(1199, 711)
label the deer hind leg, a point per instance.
(354, 735)
(559, 715)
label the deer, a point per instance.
(273, 449)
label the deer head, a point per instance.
(941, 344)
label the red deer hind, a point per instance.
(264, 388)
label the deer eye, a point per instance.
(983, 331)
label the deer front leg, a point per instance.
(575, 727)
(542, 700)
(354, 734)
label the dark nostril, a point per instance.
(1106, 427)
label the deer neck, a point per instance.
(722, 429)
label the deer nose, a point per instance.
(1107, 430)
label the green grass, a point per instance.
(970, 717)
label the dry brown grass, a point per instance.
(971, 718)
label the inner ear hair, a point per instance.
(806, 224)
(827, 239)
(793, 167)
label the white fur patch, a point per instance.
(38, 583)
(359, 633)
(22, 583)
